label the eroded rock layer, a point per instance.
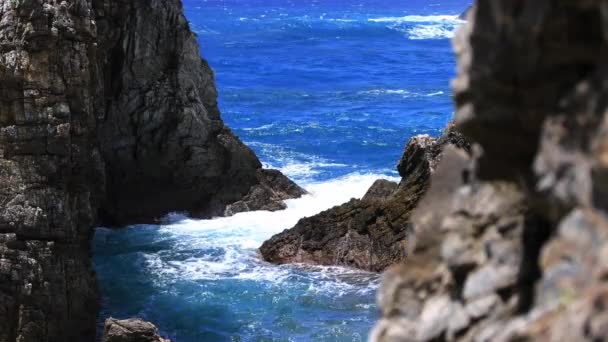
(105, 107)
(370, 233)
(514, 246)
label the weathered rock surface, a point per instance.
(162, 139)
(105, 106)
(130, 330)
(511, 244)
(370, 233)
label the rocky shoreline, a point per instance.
(516, 247)
(510, 241)
(370, 233)
(108, 115)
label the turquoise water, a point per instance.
(327, 91)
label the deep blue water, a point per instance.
(327, 91)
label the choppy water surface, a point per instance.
(328, 92)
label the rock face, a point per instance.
(512, 243)
(105, 107)
(370, 233)
(130, 330)
(163, 142)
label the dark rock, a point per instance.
(381, 190)
(270, 192)
(517, 234)
(105, 106)
(370, 233)
(163, 142)
(130, 330)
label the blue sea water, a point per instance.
(328, 91)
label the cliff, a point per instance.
(513, 247)
(107, 114)
(370, 233)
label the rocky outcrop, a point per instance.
(370, 233)
(512, 243)
(130, 330)
(105, 107)
(162, 139)
(272, 189)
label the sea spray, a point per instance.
(207, 266)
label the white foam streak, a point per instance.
(418, 19)
(402, 92)
(430, 32)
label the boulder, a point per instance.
(130, 330)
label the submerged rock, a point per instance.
(106, 107)
(370, 233)
(520, 239)
(130, 330)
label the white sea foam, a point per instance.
(418, 19)
(300, 170)
(420, 32)
(418, 27)
(249, 230)
(227, 245)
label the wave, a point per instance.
(226, 247)
(417, 27)
(306, 170)
(430, 32)
(418, 19)
(402, 92)
(260, 128)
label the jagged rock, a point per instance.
(130, 330)
(380, 190)
(163, 142)
(270, 192)
(369, 233)
(105, 106)
(517, 234)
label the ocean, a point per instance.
(327, 91)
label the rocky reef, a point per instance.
(510, 244)
(370, 233)
(107, 114)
